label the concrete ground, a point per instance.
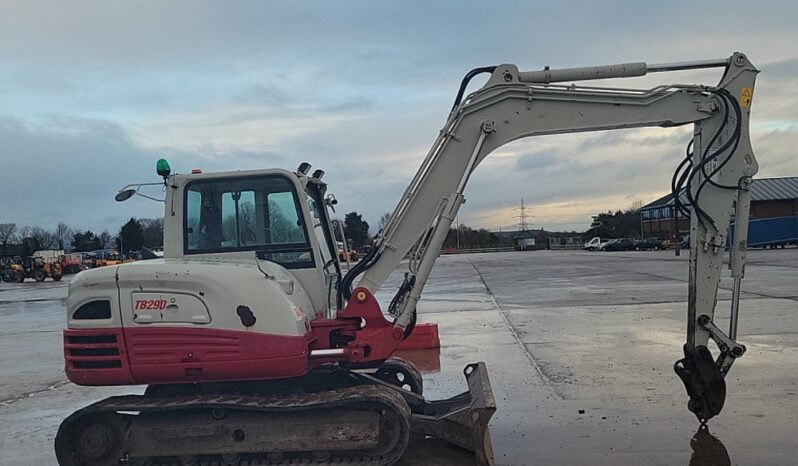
(580, 348)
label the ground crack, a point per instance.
(681, 280)
(514, 331)
(25, 396)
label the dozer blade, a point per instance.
(462, 419)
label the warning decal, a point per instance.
(746, 94)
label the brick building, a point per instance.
(770, 197)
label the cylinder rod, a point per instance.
(735, 308)
(688, 65)
(327, 353)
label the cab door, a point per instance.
(328, 256)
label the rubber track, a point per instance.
(352, 397)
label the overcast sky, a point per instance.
(93, 93)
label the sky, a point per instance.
(93, 93)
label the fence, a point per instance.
(566, 242)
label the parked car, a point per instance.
(70, 263)
(619, 245)
(595, 244)
(648, 244)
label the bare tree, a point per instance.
(62, 233)
(153, 229)
(386, 217)
(105, 239)
(38, 238)
(7, 231)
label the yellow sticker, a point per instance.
(746, 94)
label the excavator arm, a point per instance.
(715, 176)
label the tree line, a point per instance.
(148, 232)
(611, 224)
(135, 234)
(618, 224)
(462, 236)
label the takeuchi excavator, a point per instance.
(256, 349)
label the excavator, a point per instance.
(255, 348)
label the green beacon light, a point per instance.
(163, 168)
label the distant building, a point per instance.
(770, 197)
(525, 239)
(565, 241)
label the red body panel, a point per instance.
(156, 355)
(96, 357)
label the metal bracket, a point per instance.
(730, 350)
(711, 107)
(717, 242)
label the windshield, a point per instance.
(247, 214)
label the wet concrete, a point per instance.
(580, 348)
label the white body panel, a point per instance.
(196, 292)
(93, 285)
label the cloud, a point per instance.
(68, 170)
(91, 94)
(535, 161)
(87, 162)
(775, 152)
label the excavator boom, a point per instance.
(515, 104)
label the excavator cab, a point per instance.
(278, 216)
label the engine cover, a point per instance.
(175, 321)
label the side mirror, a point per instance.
(124, 195)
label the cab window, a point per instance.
(247, 214)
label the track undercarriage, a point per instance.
(331, 416)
